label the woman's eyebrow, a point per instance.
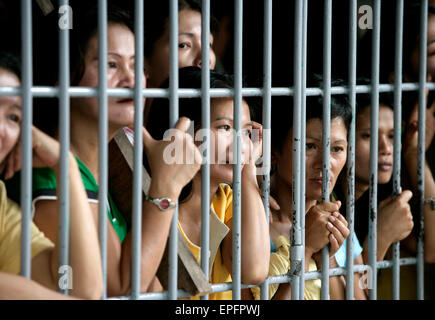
(313, 138)
(224, 118)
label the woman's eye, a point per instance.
(247, 133)
(182, 45)
(366, 136)
(337, 149)
(14, 118)
(111, 64)
(310, 146)
(224, 127)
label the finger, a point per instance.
(405, 196)
(183, 124)
(273, 203)
(147, 138)
(340, 218)
(342, 228)
(329, 206)
(334, 245)
(337, 234)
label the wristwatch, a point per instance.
(162, 203)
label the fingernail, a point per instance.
(331, 218)
(329, 224)
(335, 214)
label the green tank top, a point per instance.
(44, 187)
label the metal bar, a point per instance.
(237, 169)
(397, 137)
(326, 132)
(173, 118)
(52, 92)
(297, 250)
(267, 110)
(374, 114)
(303, 143)
(350, 199)
(205, 120)
(102, 137)
(138, 151)
(421, 145)
(64, 139)
(26, 136)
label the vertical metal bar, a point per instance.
(102, 137)
(303, 143)
(267, 104)
(326, 132)
(397, 138)
(64, 139)
(350, 199)
(296, 250)
(26, 136)
(237, 171)
(374, 114)
(205, 120)
(421, 145)
(138, 149)
(173, 118)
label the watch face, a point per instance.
(164, 204)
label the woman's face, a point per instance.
(362, 145)
(120, 74)
(189, 48)
(313, 156)
(221, 127)
(10, 115)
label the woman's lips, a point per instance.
(128, 100)
(385, 166)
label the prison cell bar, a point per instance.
(421, 144)
(327, 35)
(205, 121)
(64, 140)
(173, 118)
(397, 141)
(26, 136)
(350, 199)
(267, 104)
(296, 249)
(237, 150)
(303, 143)
(102, 137)
(374, 114)
(137, 152)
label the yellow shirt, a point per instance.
(280, 265)
(10, 235)
(221, 213)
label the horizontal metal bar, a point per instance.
(88, 92)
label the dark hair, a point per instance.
(157, 17)
(10, 63)
(86, 29)
(189, 77)
(282, 111)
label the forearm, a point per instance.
(155, 230)
(381, 249)
(15, 287)
(254, 230)
(337, 284)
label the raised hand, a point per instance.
(395, 218)
(168, 179)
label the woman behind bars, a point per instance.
(189, 40)
(255, 247)
(395, 221)
(324, 225)
(84, 258)
(168, 180)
